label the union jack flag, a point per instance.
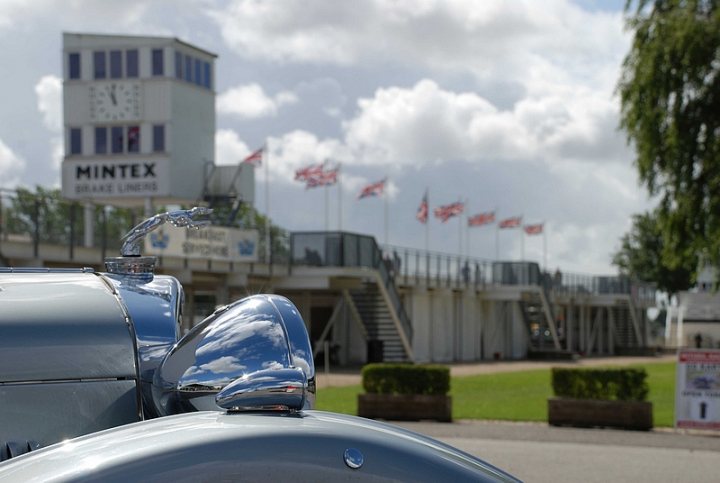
(512, 222)
(481, 219)
(448, 211)
(255, 158)
(325, 178)
(535, 229)
(422, 212)
(373, 189)
(304, 174)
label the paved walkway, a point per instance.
(351, 377)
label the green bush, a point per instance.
(603, 384)
(386, 378)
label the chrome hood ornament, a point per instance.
(130, 262)
(254, 354)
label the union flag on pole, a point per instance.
(482, 219)
(325, 178)
(448, 211)
(535, 229)
(255, 158)
(373, 189)
(512, 222)
(422, 212)
(304, 174)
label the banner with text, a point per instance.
(697, 389)
(97, 178)
(212, 242)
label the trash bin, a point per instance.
(375, 351)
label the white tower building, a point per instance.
(139, 116)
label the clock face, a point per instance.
(115, 101)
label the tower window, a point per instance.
(178, 65)
(100, 68)
(158, 67)
(131, 59)
(74, 65)
(117, 139)
(133, 139)
(116, 70)
(158, 138)
(101, 143)
(75, 140)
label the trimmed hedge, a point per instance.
(388, 378)
(600, 384)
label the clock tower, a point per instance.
(139, 119)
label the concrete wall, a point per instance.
(456, 326)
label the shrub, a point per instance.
(603, 384)
(387, 378)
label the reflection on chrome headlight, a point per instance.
(259, 345)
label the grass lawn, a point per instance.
(514, 396)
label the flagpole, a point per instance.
(497, 242)
(460, 250)
(267, 204)
(522, 243)
(544, 248)
(386, 213)
(339, 183)
(327, 212)
(427, 221)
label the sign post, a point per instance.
(697, 389)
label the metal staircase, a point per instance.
(378, 322)
(626, 331)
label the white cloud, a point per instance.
(11, 166)
(229, 148)
(426, 124)
(250, 101)
(515, 40)
(49, 102)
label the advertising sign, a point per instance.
(214, 243)
(697, 389)
(82, 179)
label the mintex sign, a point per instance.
(214, 243)
(115, 179)
(697, 389)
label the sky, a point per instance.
(507, 106)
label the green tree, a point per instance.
(641, 256)
(670, 109)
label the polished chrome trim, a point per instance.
(269, 389)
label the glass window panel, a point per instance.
(74, 65)
(133, 139)
(99, 66)
(117, 139)
(158, 67)
(188, 68)
(158, 138)
(75, 141)
(131, 60)
(207, 81)
(101, 140)
(116, 70)
(178, 65)
(198, 72)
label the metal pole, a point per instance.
(327, 211)
(544, 248)
(267, 203)
(386, 217)
(340, 209)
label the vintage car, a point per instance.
(96, 384)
